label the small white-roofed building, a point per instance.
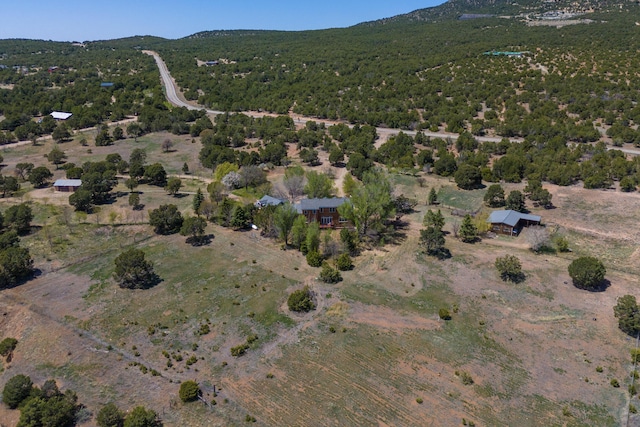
(59, 115)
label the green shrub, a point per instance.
(344, 262)
(301, 300)
(314, 259)
(7, 345)
(419, 400)
(444, 314)
(509, 268)
(587, 273)
(466, 378)
(16, 390)
(189, 391)
(239, 350)
(110, 416)
(330, 274)
(615, 383)
(633, 409)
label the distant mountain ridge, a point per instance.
(454, 9)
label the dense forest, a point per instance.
(571, 85)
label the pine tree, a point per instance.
(468, 231)
(198, 198)
(433, 196)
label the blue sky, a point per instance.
(98, 20)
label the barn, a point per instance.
(510, 222)
(67, 185)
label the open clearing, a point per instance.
(373, 346)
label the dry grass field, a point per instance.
(374, 352)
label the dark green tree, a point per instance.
(194, 227)
(110, 416)
(515, 201)
(166, 219)
(16, 390)
(173, 185)
(142, 417)
(8, 185)
(283, 219)
(56, 156)
(189, 391)
(432, 241)
(494, 197)
(7, 346)
(432, 198)
(301, 300)
(40, 176)
(468, 177)
(433, 219)
(239, 218)
(15, 264)
(329, 274)
(587, 273)
(509, 268)
(134, 130)
(627, 312)
(81, 200)
(61, 133)
(133, 271)
(198, 198)
(156, 175)
(468, 231)
(117, 133)
(134, 200)
(18, 218)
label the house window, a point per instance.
(342, 219)
(325, 220)
(332, 210)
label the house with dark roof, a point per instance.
(323, 211)
(510, 222)
(67, 185)
(269, 201)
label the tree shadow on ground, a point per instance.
(200, 240)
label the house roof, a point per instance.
(68, 183)
(269, 201)
(510, 217)
(311, 204)
(59, 115)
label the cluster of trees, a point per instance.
(432, 237)
(46, 406)
(111, 416)
(232, 130)
(381, 75)
(77, 86)
(15, 261)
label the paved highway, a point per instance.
(385, 133)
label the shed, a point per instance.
(59, 115)
(511, 222)
(67, 185)
(269, 201)
(106, 84)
